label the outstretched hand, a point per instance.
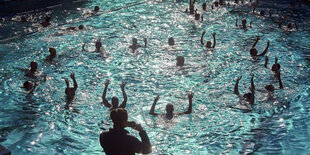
(156, 98)
(204, 32)
(123, 84)
(107, 82)
(214, 34)
(190, 95)
(135, 126)
(239, 78)
(72, 75)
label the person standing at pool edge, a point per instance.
(114, 99)
(117, 140)
(169, 108)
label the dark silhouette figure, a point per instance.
(118, 141)
(70, 92)
(208, 44)
(52, 54)
(169, 108)
(114, 99)
(248, 97)
(253, 50)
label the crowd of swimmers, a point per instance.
(118, 140)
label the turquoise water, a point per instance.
(42, 123)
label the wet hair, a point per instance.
(244, 21)
(27, 85)
(253, 52)
(134, 41)
(180, 61)
(34, 65)
(270, 88)
(247, 96)
(52, 51)
(169, 108)
(114, 101)
(81, 27)
(47, 18)
(289, 25)
(208, 44)
(118, 116)
(96, 8)
(171, 41)
(276, 67)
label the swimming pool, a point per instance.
(43, 124)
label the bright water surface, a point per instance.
(42, 123)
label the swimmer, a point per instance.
(52, 54)
(46, 22)
(96, 9)
(171, 41)
(70, 92)
(289, 25)
(134, 45)
(169, 108)
(276, 67)
(266, 61)
(29, 86)
(114, 100)
(33, 69)
(244, 26)
(248, 97)
(192, 6)
(270, 88)
(180, 61)
(197, 15)
(80, 27)
(208, 44)
(99, 47)
(253, 50)
(204, 6)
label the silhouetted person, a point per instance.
(253, 50)
(29, 86)
(169, 108)
(52, 54)
(70, 91)
(114, 99)
(180, 61)
(33, 69)
(289, 25)
(80, 27)
(171, 41)
(270, 88)
(118, 141)
(208, 44)
(99, 47)
(197, 15)
(46, 22)
(244, 24)
(135, 44)
(276, 66)
(204, 6)
(248, 97)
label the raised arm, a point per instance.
(105, 101)
(74, 81)
(153, 106)
(143, 147)
(252, 100)
(214, 40)
(201, 40)
(257, 39)
(236, 90)
(296, 25)
(123, 105)
(190, 99)
(252, 81)
(266, 49)
(266, 61)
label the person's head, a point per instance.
(96, 9)
(27, 85)
(47, 18)
(270, 88)
(204, 6)
(119, 117)
(253, 51)
(243, 22)
(289, 26)
(114, 101)
(81, 27)
(262, 12)
(216, 4)
(208, 45)
(134, 41)
(169, 108)
(171, 41)
(33, 65)
(247, 96)
(180, 61)
(276, 67)
(52, 51)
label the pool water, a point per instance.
(43, 123)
